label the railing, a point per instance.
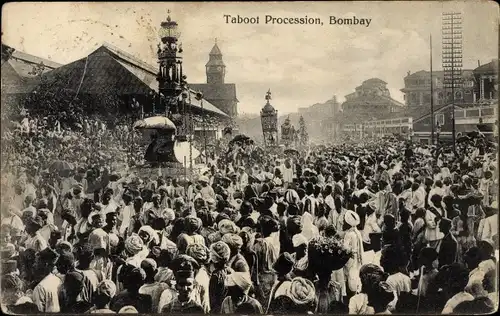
(476, 112)
(399, 122)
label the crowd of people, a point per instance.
(373, 227)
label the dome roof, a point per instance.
(268, 108)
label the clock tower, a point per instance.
(215, 67)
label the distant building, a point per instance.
(219, 93)
(417, 90)
(370, 101)
(487, 77)
(371, 98)
(476, 108)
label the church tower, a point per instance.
(215, 68)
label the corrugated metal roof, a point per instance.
(129, 58)
(104, 71)
(13, 83)
(28, 66)
(99, 73)
(34, 59)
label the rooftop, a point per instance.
(374, 81)
(489, 68)
(215, 50)
(218, 91)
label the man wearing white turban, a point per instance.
(133, 247)
(238, 300)
(303, 294)
(354, 241)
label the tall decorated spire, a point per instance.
(269, 120)
(215, 67)
(170, 77)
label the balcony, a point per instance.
(471, 115)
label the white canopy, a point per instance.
(155, 122)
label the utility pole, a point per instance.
(452, 59)
(432, 94)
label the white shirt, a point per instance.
(46, 294)
(358, 305)
(399, 282)
(418, 199)
(455, 300)
(287, 174)
(371, 226)
(128, 212)
(488, 227)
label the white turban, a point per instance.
(168, 214)
(153, 235)
(298, 240)
(351, 218)
(239, 279)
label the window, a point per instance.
(427, 97)
(458, 95)
(439, 118)
(440, 95)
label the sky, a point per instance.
(300, 64)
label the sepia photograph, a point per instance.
(249, 158)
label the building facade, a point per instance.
(370, 101)
(487, 77)
(417, 90)
(371, 98)
(216, 90)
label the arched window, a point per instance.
(458, 95)
(440, 95)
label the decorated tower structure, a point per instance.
(269, 120)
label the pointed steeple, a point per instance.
(215, 67)
(215, 56)
(216, 50)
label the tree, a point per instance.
(304, 137)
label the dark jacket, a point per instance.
(447, 253)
